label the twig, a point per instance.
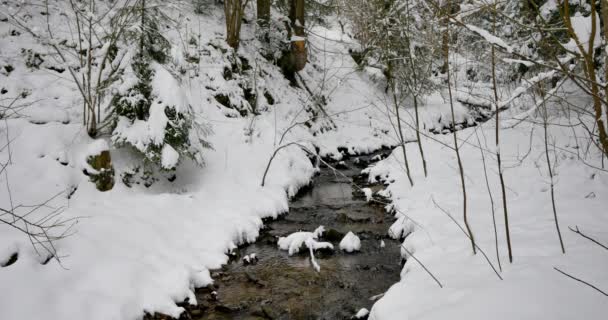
(466, 234)
(422, 265)
(577, 231)
(581, 281)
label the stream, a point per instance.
(279, 286)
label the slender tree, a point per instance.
(497, 133)
(545, 115)
(446, 54)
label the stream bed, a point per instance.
(279, 286)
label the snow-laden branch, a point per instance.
(490, 37)
(525, 87)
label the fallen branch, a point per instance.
(419, 262)
(581, 281)
(466, 234)
(577, 231)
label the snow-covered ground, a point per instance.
(145, 249)
(532, 288)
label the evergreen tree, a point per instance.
(148, 113)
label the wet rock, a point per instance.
(332, 235)
(269, 312)
(357, 218)
(250, 259)
(225, 308)
(255, 280)
(341, 165)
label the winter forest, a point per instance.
(303, 159)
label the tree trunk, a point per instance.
(264, 12)
(498, 157)
(298, 39)
(233, 10)
(446, 56)
(391, 82)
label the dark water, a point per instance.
(282, 287)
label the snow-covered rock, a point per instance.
(350, 243)
(362, 314)
(368, 194)
(293, 242)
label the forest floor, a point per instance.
(138, 249)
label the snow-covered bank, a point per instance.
(138, 249)
(532, 288)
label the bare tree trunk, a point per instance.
(588, 55)
(263, 12)
(446, 53)
(485, 174)
(418, 137)
(604, 5)
(498, 158)
(415, 90)
(401, 138)
(233, 10)
(550, 169)
(92, 125)
(298, 40)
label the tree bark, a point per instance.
(298, 39)
(263, 12)
(233, 10)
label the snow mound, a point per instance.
(400, 228)
(363, 313)
(350, 242)
(293, 242)
(368, 194)
(170, 157)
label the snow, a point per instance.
(96, 147)
(490, 37)
(293, 242)
(401, 228)
(362, 313)
(368, 194)
(582, 28)
(350, 243)
(136, 249)
(170, 157)
(145, 249)
(531, 288)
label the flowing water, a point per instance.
(278, 286)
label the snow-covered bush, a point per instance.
(153, 116)
(149, 111)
